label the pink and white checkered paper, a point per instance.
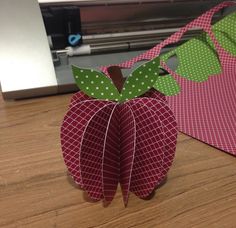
(105, 143)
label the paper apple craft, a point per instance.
(115, 133)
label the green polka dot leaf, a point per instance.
(95, 84)
(225, 32)
(141, 80)
(197, 58)
(167, 85)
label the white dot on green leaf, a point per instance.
(76, 76)
(91, 70)
(102, 82)
(152, 80)
(102, 94)
(139, 90)
(86, 76)
(97, 88)
(156, 73)
(127, 82)
(146, 76)
(112, 94)
(116, 99)
(142, 83)
(81, 71)
(140, 72)
(82, 82)
(150, 69)
(92, 94)
(153, 62)
(130, 92)
(87, 87)
(107, 88)
(133, 86)
(136, 79)
(92, 82)
(97, 76)
(148, 87)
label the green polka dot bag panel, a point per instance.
(197, 58)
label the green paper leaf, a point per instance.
(141, 80)
(95, 84)
(225, 32)
(167, 85)
(197, 60)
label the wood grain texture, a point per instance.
(35, 190)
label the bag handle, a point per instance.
(203, 22)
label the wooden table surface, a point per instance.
(35, 190)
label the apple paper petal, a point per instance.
(149, 149)
(78, 97)
(170, 132)
(91, 158)
(127, 148)
(111, 156)
(167, 85)
(141, 80)
(73, 126)
(95, 84)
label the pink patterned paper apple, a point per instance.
(118, 132)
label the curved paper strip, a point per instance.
(149, 149)
(95, 84)
(73, 126)
(91, 157)
(127, 148)
(78, 97)
(141, 80)
(111, 156)
(170, 132)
